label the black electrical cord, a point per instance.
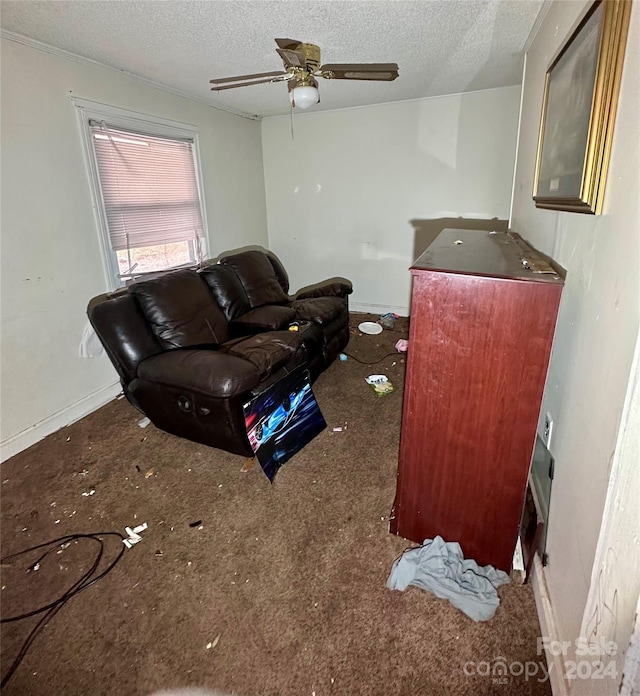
(50, 610)
(372, 362)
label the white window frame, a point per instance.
(128, 120)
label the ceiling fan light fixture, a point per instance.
(304, 96)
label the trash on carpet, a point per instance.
(380, 384)
(150, 473)
(248, 464)
(439, 567)
(343, 357)
(371, 328)
(197, 523)
(402, 346)
(86, 494)
(388, 320)
(133, 535)
(214, 642)
(143, 422)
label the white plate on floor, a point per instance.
(370, 327)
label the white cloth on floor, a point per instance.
(90, 346)
(439, 567)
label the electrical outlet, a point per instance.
(548, 430)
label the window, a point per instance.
(146, 191)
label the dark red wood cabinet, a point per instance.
(483, 315)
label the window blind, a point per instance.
(149, 187)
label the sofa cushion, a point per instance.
(206, 371)
(258, 277)
(320, 310)
(227, 290)
(268, 318)
(267, 351)
(181, 310)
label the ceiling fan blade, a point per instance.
(237, 78)
(245, 84)
(359, 71)
(291, 58)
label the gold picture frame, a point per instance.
(581, 92)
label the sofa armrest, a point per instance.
(205, 371)
(333, 287)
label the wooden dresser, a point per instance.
(483, 314)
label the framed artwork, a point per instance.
(578, 111)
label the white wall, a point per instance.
(342, 192)
(612, 604)
(51, 263)
(598, 321)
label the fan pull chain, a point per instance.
(293, 137)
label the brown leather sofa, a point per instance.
(191, 347)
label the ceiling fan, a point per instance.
(302, 66)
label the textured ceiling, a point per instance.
(441, 46)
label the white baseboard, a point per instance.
(548, 628)
(378, 309)
(34, 433)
